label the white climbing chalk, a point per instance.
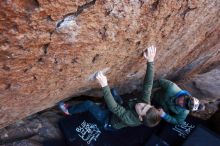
(92, 76)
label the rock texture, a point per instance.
(36, 130)
(50, 50)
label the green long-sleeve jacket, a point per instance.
(166, 98)
(127, 116)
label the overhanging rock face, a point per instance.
(50, 50)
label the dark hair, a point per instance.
(187, 101)
(152, 117)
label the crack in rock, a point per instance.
(188, 9)
(68, 25)
(71, 16)
(69, 28)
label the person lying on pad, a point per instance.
(136, 112)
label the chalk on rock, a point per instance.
(92, 76)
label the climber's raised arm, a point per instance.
(149, 55)
(113, 106)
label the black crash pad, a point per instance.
(84, 130)
(202, 136)
(175, 135)
(156, 141)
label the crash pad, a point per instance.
(82, 129)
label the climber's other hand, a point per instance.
(102, 79)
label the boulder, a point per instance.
(50, 50)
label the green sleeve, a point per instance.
(162, 83)
(114, 107)
(148, 82)
(177, 119)
(170, 87)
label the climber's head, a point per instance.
(190, 103)
(148, 114)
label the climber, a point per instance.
(136, 112)
(175, 102)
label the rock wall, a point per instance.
(50, 49)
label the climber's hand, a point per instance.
(161, 112)
(102, 79)
(150, 53)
